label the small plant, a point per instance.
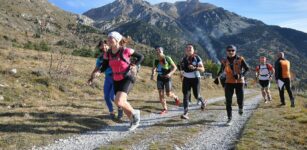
(211, 67)
(84, 52)
(41, 46)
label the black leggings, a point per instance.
(287, 84)
(187, 84)
(229, 90)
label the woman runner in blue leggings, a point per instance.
(108, 88)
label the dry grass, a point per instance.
(275, 127)
(36, 110)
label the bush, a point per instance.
(43, 81)
(6, 37)
(67, 44)
(42, 46)
(29, 45)
(148, 60)
(211, 67)
(84, 52)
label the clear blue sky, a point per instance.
(285, 13)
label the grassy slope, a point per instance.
(37, 109)
(274, 127)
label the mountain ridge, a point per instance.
(209, 27)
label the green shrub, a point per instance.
(41, 46)
(29, 45)
(84, 52)
(211, 67)
(148, 60)
(67, 44)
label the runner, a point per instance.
(165, 67)
(191, 66)
(124, 73)
(282, 76)
(235, 68)
(108, 82)
(264, 73)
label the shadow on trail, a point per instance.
(52, 123)
(75, 106)
(181, 123)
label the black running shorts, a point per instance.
(164, 83)
(264, 83)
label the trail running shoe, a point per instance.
(164, 111)
(229, 122)
(112, 116)
(198, 102)
(292, 103)
(120, 113)
(240, 111)
(135, 122)
(203, 105)
(177, 101)
(184, 116)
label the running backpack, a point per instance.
(267, 67)
(166, 61)
(185, 62)
(130, 73)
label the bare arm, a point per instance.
(90, 80)
(174, 68)
(153, 72)
(200, 68)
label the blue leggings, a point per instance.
(108, 90)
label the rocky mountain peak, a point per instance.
(130, 1)
(193, 1)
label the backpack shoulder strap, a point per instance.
(168, 59)
(198, 59)
(109, 52)
(223, 61)
(121, 55)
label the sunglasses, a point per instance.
(231, 50)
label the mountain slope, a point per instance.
(23, 21)
(209, 27)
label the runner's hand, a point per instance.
(90, 81)
(191, 67)
(152, 77)
(97, 74)
(167, 76)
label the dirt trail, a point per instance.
(95, 139)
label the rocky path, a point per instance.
(214, 136)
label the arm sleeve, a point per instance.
(139, 57)
(200, 61)
(245, 67)
(221, 69)
(105, 65)
(277, 70)
(170, 60)
(270, 67)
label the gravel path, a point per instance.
(214, 135)
(220, 136)
(94, 139)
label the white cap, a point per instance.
(117, 36)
